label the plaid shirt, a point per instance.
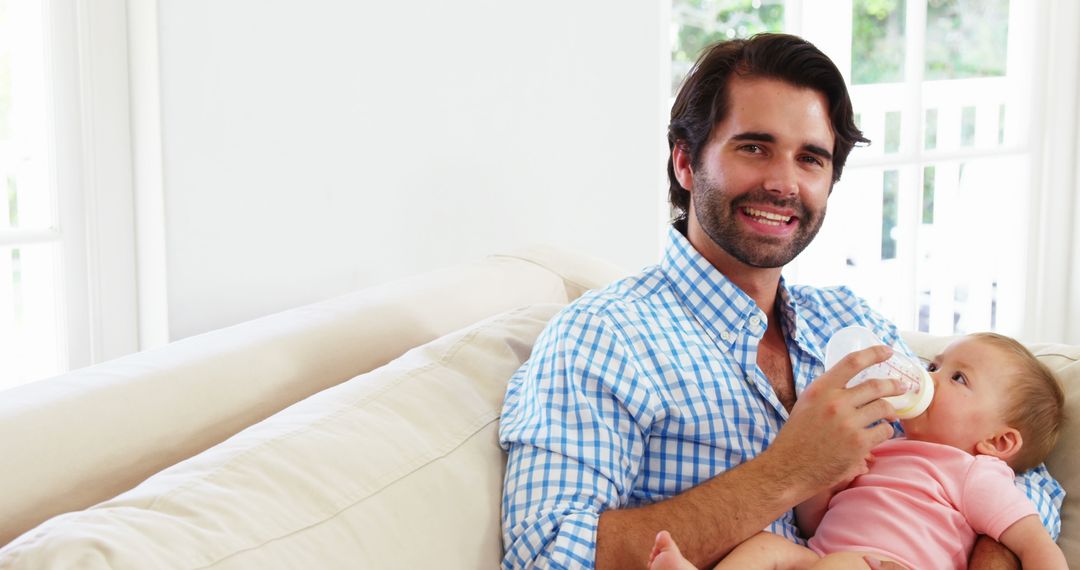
(650, 386)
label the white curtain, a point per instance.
(1054, 287)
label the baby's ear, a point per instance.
(1003, 445)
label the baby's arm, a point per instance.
(1032, 544)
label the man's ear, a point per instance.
(680, 161)
(1002, 445)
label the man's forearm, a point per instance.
(708, 520)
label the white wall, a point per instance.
(311, 148)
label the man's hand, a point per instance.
(825, 441)
(829, 435)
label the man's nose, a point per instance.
(783, 179)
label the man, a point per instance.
(681, 398)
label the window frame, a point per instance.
(1047, 32)
(90, 141)
(1047, 263)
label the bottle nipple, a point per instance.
(915, 379)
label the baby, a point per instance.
(928, 495)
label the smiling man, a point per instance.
(693, 396)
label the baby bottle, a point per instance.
(913, 376)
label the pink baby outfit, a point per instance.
(922, 504)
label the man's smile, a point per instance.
(766, 217)
(769, 221)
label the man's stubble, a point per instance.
(717, 215)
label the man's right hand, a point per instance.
(828, 435)
(825, 440)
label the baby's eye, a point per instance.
(931, 367)
(959, 378)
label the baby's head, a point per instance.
(992, 397)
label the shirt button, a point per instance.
(726, 336)
(755, 321)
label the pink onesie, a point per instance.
(922, 504)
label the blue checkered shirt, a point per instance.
(650, 386)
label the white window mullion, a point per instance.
(793, 17)
(827, 25)
(909, 218)
(65, 168)
(107, 177)
(87, 56)
(914, 64)
(863, 158)
(15, 238)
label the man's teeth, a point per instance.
(767, 218)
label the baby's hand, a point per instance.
(876, 564)
(859, 469)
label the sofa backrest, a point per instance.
(71, 441)
(397, 468)
(1063, 462)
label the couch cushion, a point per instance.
(1064, 462)
(397, 468)
(86, 436)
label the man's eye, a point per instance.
(813, 160)
(752, 148)
(959, 378)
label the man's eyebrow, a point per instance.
(766, 137)
(815, 149)
(760, 137)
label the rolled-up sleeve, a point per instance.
(572, 425)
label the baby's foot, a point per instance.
(666, 556)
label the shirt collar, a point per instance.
(719, 305)
(794, 324)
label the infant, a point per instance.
(928, 495)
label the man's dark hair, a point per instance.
(702, 101)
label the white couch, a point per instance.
(354, 433)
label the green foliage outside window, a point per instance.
(966, 38)
(877, 41)
(704, 22)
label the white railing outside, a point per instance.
(962, 268)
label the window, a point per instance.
(929, 223)
(30, 324)
(66, 216)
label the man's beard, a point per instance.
(717, 214)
